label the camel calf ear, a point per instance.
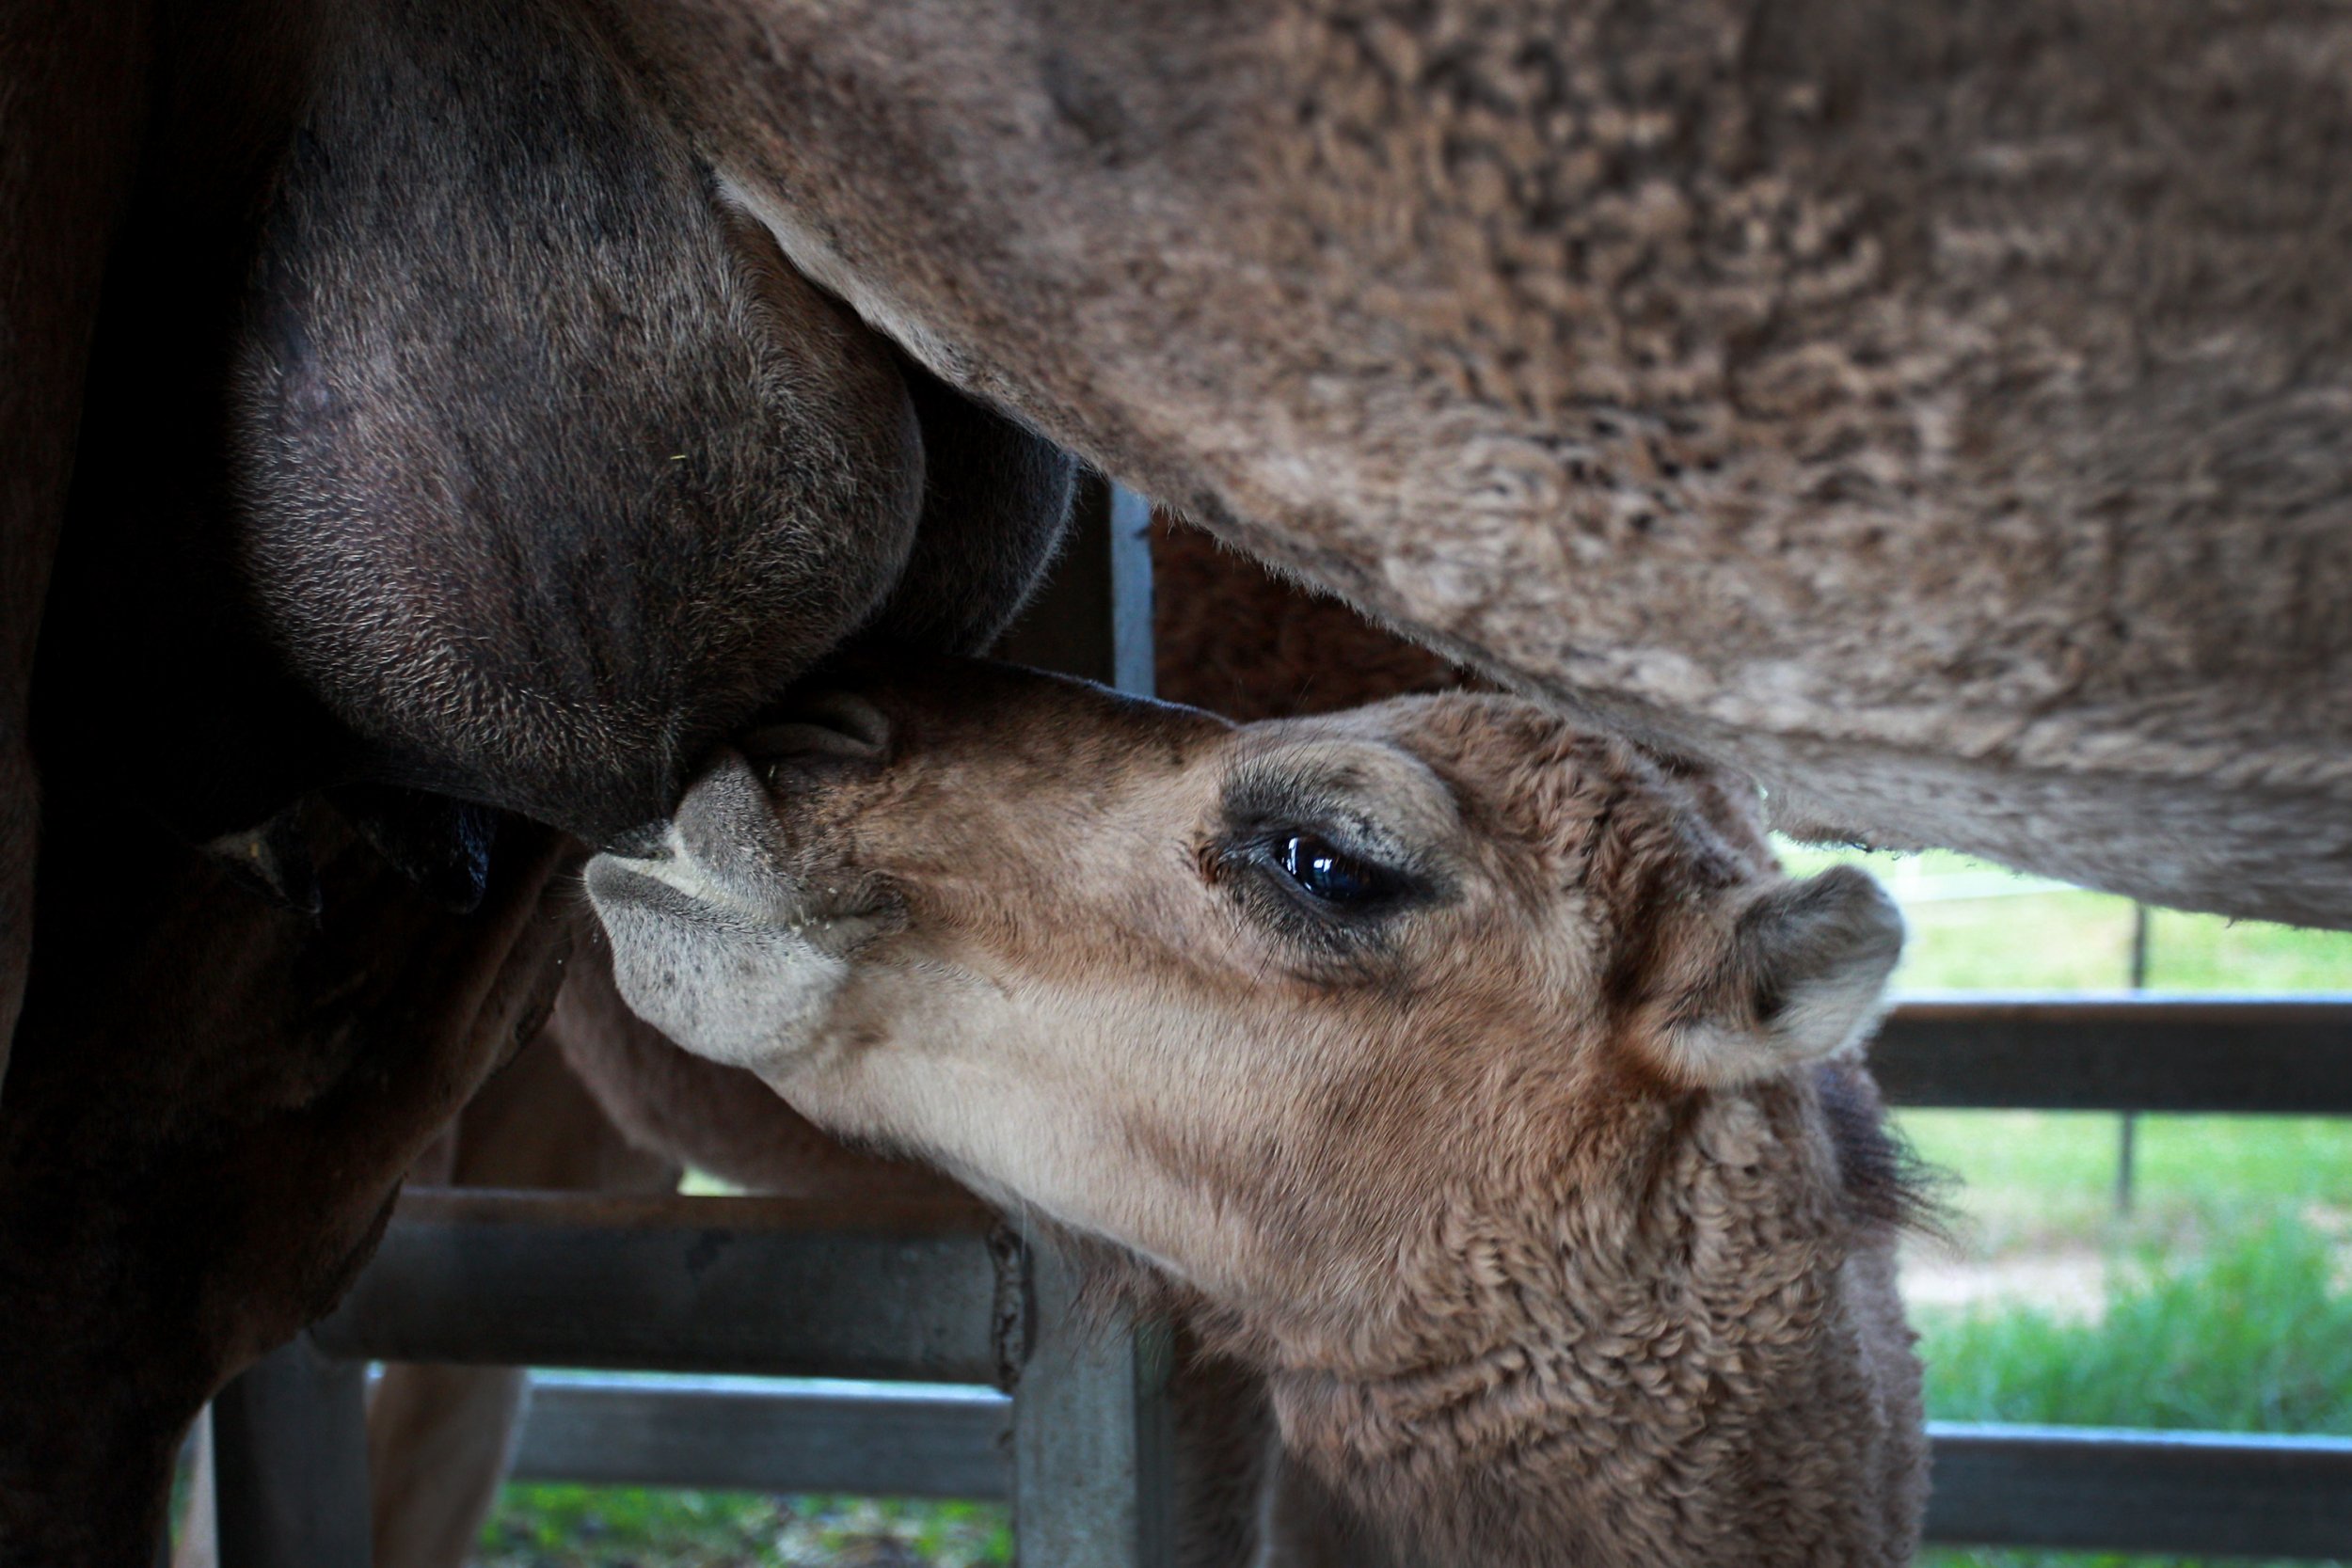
(1805, 978)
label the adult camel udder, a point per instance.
(1472, 1075)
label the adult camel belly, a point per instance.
(1937, 410)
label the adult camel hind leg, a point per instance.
(212, 1100)
(439, 1436)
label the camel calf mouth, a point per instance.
(732, 932)
(938, 852)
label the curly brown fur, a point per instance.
(1930, 411)
(1599, 1389)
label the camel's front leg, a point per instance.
(438, 1437)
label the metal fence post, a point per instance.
(1092, 615)
(1093, 1438)
(1094, 1435)
(1133, 656)
(290, 1451)
(2127, 1143)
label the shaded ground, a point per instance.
(2071, 1285)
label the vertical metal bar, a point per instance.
(1132, 652)
(198, 1542)
(290, 1449)
(1094, 1435)
(2127, 1142)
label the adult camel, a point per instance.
(1934, 410)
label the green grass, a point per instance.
(579, 1526)
(2034, 1182)
(2203, 952)
(539, 1526)
(2254, 1336)
(2223, 1308)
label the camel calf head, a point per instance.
(1461, 1068)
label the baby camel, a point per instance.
(1474, 1077)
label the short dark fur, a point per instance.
(1887, 1184)
(995, 499)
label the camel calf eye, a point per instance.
(1331, 876)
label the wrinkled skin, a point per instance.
(1515, 1169)
(502, 458)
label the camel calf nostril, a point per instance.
(826, 724)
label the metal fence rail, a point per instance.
(2141, 1491)
(2090, 1487)
(900, 1289)
(2212, 1054)
(700, 1432)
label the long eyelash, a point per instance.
(1332, 936)
(1380, 883)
